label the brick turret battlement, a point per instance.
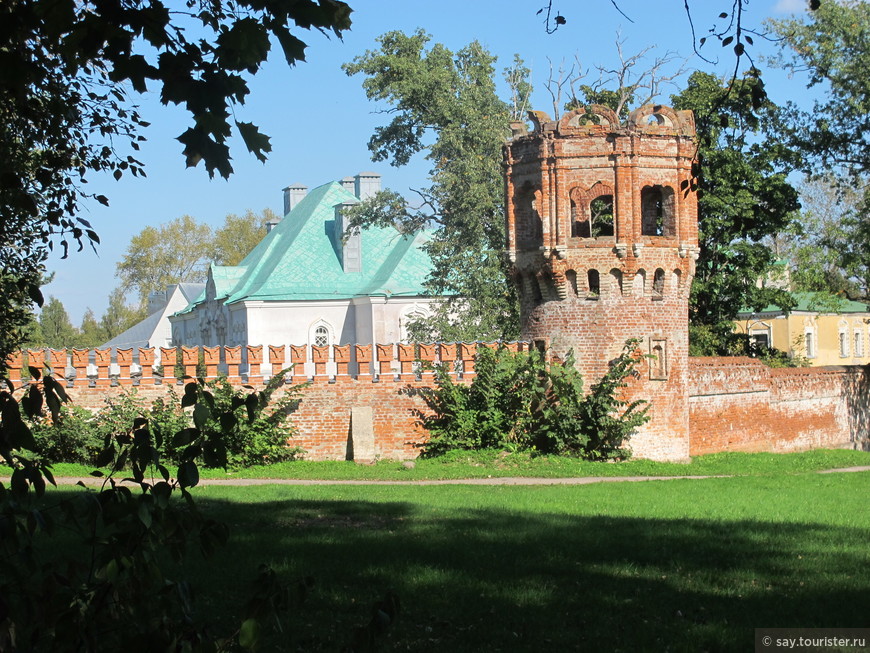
(602, 235)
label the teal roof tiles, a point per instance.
(300, 259)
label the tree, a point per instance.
(239, 235)
(91, 333)
(743, 197)
(176, 251)
(452, 95)
(830, 44)
(119, 316)
(56, 329)
(67, 71)
(625, 86)
(822, 244)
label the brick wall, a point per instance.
(734, 404)
(739, 404)
(388, 378)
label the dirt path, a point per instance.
(92, 481)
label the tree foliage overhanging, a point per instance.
(68, 70)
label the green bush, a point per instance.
(262, 426)
(519, 403)
(72, 438)
(257, 434)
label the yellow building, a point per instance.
(824, 331)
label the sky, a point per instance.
(320, 121)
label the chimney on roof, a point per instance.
(271, 224)
(349, 184)
(157, 300)
(293, 194)
(348, 245)
(366, 184)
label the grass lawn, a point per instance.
(501, 464)
(682, 565)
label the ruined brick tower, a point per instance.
(603, 240)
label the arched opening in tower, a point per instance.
(658, 215)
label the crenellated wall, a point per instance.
(385, 378)
(735, 404)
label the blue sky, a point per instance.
(320, 120)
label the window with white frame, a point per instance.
(844, 344)
(760, 335)
(810, 343)
(320, 334)
(858, 344)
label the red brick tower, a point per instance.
(603, 240)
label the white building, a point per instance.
(306, 283)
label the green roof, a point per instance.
(815, 302)
(299, 259)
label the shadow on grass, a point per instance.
(490, 580)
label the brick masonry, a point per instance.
(739, 404)
(588, 279)
(603, 237)
(734, 404)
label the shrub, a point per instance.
(257, 433)
(517, 402)
(71, 438)
(261, 426)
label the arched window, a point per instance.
(321, 334)
(529, 224)
(601, 216)
(616, 281)
(658, 286)
(571, 278)
(594, 280)
(579, 222)
(637, 287)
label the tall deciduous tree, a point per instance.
(239, 234)
(743, 196)
(823, 244)
(433, 91)
(91, 333)
(831, 45)
(119, 316)
(179, 250)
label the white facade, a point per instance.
(361, 320)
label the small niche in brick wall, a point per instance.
(658, 364)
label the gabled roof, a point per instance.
(300, 259)
(147, 332)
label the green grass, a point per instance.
(499, 464)
(683, 565)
